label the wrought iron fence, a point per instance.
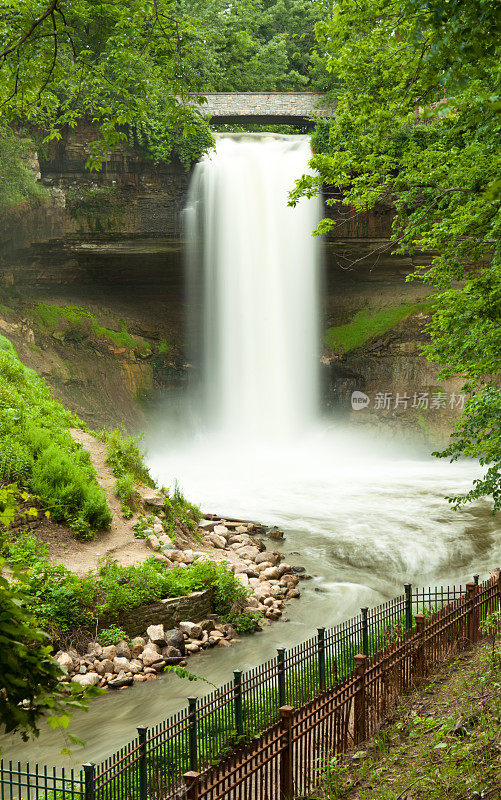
(214, 726)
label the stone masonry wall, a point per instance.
(169, 613)
(265, 104)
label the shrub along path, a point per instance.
(443, 742)
(118, 541)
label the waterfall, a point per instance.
(253, 286)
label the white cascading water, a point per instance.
(254, 262)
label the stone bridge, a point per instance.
(273, 107)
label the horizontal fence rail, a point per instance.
(264, 734)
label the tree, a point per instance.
(62, 60)
(417, 122)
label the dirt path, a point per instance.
(118, 541)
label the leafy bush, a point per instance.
(178, 509)
(16, 461)
(37, 450)
(246, 622)
(126, 491)
(112, 635)
(125, 457)
(63, 601)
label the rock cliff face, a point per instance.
(112, 242)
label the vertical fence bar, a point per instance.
(408, 606)
(192, 733)
(286, 759)
(365, 630)
(281, 675)
(470, 594)
(360, 708)
(90, 781)
(143, 762)
(321, 658)
(237, 699)
(420, 622)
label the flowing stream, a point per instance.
(362, 516)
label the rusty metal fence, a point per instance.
(265, 734)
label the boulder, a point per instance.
(157, 634)
(90, 679)
(136, 666)
(137, 646)
(221, 530)
(241, 529)
(121, 680)
(192, 629)
(94, 649)
(270, 573)
(107, 665)
(207, 625)
(284, 569)
(65, 660)
(150, 657)
(192, 647)
(154, 500)
(121, 665)
(217, 541)
(175, 638)
(159, 666)
(266, 556)
(123, 650)
(152, 542)
(242, 578)
(109, 652)
(158, 528)
(171, 655)
(247, 552)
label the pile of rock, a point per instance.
(145, 657)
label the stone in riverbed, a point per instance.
(171, 654)
(65, 660)
(175, 638)
(109, 652)
(192, 629)
(121, 665)
(270, 573)
(107, 665)
(121, 680)
(221, 530)
(90, 679)
(137, 645)
(154, 500)
(217, 541)
(157, 634)
(266, 556)
(150, 657)
(123, 650)
(136, 666)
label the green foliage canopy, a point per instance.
(417, 124)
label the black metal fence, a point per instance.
(211, 727)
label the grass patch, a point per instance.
(38, 452)
(367, 324)
(75, 323)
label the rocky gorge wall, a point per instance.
(111, 242)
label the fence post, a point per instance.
(420, 623)
(286, 760)
(192, 733)
(192, 781)
(365, 631)
(321, 658)
(408, 606)
(90, 780)
(281, 675)
(237, 694)
(143, 764)
(471, 591)
(360, 732)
